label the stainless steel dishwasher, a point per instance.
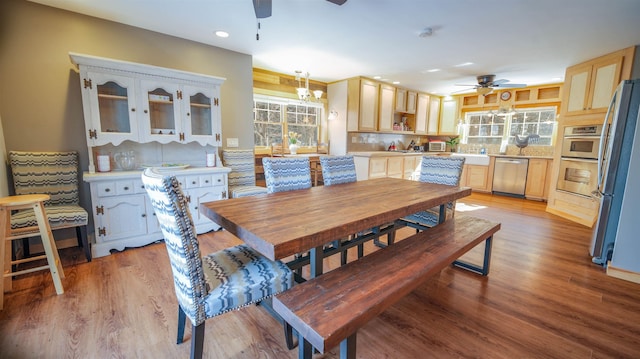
(510, 176)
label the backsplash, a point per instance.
(512, 150)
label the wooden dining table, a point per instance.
(280, 225)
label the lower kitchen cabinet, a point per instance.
(370, 167)
(538, 179)
(476, 177)
(122, 213)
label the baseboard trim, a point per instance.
(623, 274)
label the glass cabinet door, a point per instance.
(201, 107)
(113, 107)
(162, 103)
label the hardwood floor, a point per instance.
(542, 299)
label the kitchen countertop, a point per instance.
(524, 156)
(393, 153)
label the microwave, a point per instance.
(437, 146)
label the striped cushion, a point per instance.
(222, 281)
(245, 191)
(441, 170)
(286, 174)
(338, 169)
(53, 173)
(59, 217)
(242, 164)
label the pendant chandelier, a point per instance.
(303, 92)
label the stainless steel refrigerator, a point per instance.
(614, 164)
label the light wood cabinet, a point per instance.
(401, 100)
(369, 167)
(387, 97)
(434, 115)
(411, 101)
(448, 118)
(411, 170)
(476, 177)
(538, 179)
(362, 105)
(589, 85)
(395, 166)
(422, 114)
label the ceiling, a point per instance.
(523, 41)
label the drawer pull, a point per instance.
(107, 189)
(126, 188)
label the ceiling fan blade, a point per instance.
(498, 82)
(262, 8)
(473, 86)
(463, 90)
(509, 85)
(337, 2)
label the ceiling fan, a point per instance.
(263, 7)
(486, 84)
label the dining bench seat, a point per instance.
(328, 310)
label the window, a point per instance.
(488, 128)
(274, 118)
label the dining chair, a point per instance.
(286, 174)
(441, 170)
(55, 174)
(242, 178)
(207, 286)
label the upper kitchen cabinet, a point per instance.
(142, 103)
(406, 101)
(387, 94)
(362, 105)
(448, 118)
(590, 85)
(422, 114)
(434, 115)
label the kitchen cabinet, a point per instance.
(589, 86)
(422, 114)
(411, 101)
(141, 103)
(538, 178)
(476, 177)
(123, 216)
(373, 166)
(401, 100)
(448, 118)
(395, 166)
(434, 115)
(411, 167)
(362, 105)
(387, 97)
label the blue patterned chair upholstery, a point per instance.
(286, 174)
(55, 174)
(216, 283)
(242, 179)
(338, 169)
(441, 170)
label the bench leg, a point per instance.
(348, 347)
(305, 350)
(316, 256)
(288, 335)
(484, 270)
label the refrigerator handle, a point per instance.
(601, 146)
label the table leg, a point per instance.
(315, 257)
(442, 215)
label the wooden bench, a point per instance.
(328, 310)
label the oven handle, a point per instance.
(583, 137)
(578, 160)
(605, 131)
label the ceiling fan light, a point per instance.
(484, 91)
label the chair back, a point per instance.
(243, 167)
(338, 169)
(441, 170)
(172, 211)
(286, 174)
(52, 173)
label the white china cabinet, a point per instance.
(164, 113)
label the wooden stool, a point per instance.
(34, 201)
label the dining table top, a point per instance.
(282, 224)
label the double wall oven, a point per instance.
(579, 159)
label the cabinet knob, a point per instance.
(193, 182)
(219, 180)
(206, 181)
(133, 110)
(143, 215)
(126, 188)
(188, 114)
(107, 189)
(145, 111)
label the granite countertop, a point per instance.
(393, 153)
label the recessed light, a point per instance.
(377, 77)
(396, 82)
(464, 64)
(221, 33)
(433, 70)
